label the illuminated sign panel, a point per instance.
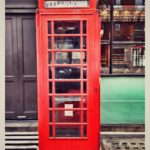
(66, 4)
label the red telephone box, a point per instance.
(68, 70)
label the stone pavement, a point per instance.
(122, 141)
(24, 136)
(109, 141)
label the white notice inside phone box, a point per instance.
(68, 113)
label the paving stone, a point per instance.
(123, 143)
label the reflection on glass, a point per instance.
(84, 42)
(84, 27)
(68, 131)
(67, 72)
(84, 57)
(67, 57)
(85, 131)
(68, 116)
(84, 72)
(49, 43)
(50, 131)
(70, 102)
(67, 42)
(50, 116)
(67, 27)
(49, 27)
(67, 87)
(50, 87)
(129, 59)
(84, 87)
(50, 102)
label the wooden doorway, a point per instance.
(21, 99)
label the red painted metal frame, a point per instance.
(92, 4)
(93, 86)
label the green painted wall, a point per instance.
(122, 100)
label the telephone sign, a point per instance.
(65, 4)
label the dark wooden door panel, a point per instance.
(11, 68)
(30, 104)
(21, 99)
(27, 66)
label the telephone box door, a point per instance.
(68, 81)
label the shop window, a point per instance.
(118, 2)
(104, 2)
(129, 2)
(122, 2)
(123, 31)
(117, 27)
(105, 31)
(139, 2)
(129, 31)
(118, 54)
(128, 59)
(139, 32)
(105, 58)
(138, 57)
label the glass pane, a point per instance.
(49, 27)
(139, 2)
(84, 87)
(67, 27)
(67, 72)
(118, 2)
(68, 131)
(68, 116)
(84, 57)
(50, 72)
(84, 42)
(50, 102)
(129, 31)
(139, 32)
(84, 72)
(50, 87)
(129, 59)
(67, 57)
(84, 101)
(67, 102)
(49, 43)
(85, 131)
(85, 116)
(67, 42)
(50, 131)
(49, 57)
(84, 27)
(67, 87)
(50, 116)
